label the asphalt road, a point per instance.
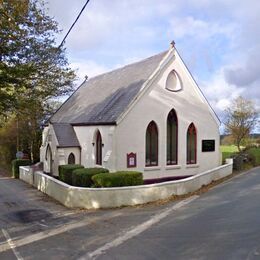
(223, 223)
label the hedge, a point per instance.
(15, 166)
(65, 172)
(118, 179)
(82, 177)
(255, 152)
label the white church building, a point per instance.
(149, 116)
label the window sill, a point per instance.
(192, 166)
(152, 168)
(172, 167)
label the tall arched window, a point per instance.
(98, 148)
(151, 158)
(48, 158)
(172, 138)
(71, 159)
(191, 144)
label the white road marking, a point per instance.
(53, 232)
(42, 224)
(11, 244)
(137, 230)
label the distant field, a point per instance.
(227, 150)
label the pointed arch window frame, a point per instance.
(98, 150)
(191, 143)
(71, 158)
(175, 86)
(151, 145)
(172, 138)
(49, 158)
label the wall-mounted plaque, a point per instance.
(106, 158)
(131, 160)
(208, 145)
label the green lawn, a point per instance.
(227, 150)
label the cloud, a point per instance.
(219, 92)
(88, 68)
(198, 29)
(219, 40)
(119, 25)
(245, 73)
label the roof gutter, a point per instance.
(93, 123)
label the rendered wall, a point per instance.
(89, 198)
(26, 174)
(49, 138)
(59, 155)
(129, 135)
(155, 105)
(74, 150)
(87, 135)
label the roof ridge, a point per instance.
(127, 65)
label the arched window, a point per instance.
(48, 158)
(191, 144)
(172, 138)
(71, 159)
(98, 148)
(151, 158)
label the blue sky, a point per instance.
(219, 40)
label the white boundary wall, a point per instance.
(89, 198)
(26, 174)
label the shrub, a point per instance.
(82, 177)
(118, 179)
(252, 159)
(255, 152)
(65, 172)
(15, 166)
(238, 161)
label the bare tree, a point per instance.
(241, 118)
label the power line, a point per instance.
(74, 23)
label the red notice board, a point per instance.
(131, 160)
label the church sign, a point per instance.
(131, 160)
(208, 145)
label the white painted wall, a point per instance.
(155, 105)
(26, 174)
(49, 138)
(89, 198)
(59, 155)
(74, 150)
(87, 135)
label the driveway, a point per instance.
(223, 223)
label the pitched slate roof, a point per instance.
(65, 134)
(102, 99)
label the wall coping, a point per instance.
(139, 186)
(93, 198)
(26, 168)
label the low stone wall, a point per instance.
(89, 198)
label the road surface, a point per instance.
(223, 223)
